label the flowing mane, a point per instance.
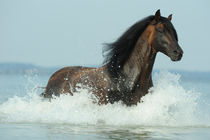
(118, 52)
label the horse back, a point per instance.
(68, 79)
(58, 81)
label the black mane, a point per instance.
(118, 52)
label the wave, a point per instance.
(166, 104)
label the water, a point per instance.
(177, 107)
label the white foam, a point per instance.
(167, 104)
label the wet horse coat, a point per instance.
(127, 73)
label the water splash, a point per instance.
(166, 104)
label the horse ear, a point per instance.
(170, 17)
(157, 15)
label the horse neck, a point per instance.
(139, 66)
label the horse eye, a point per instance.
(159, 30)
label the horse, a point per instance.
(126, 74)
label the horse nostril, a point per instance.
(175, 52)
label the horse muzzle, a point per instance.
(176, 55)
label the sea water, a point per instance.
(177, 107)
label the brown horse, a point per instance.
(127, 73)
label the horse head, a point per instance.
(164, 37)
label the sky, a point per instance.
(72, 32)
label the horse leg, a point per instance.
(50, 91)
